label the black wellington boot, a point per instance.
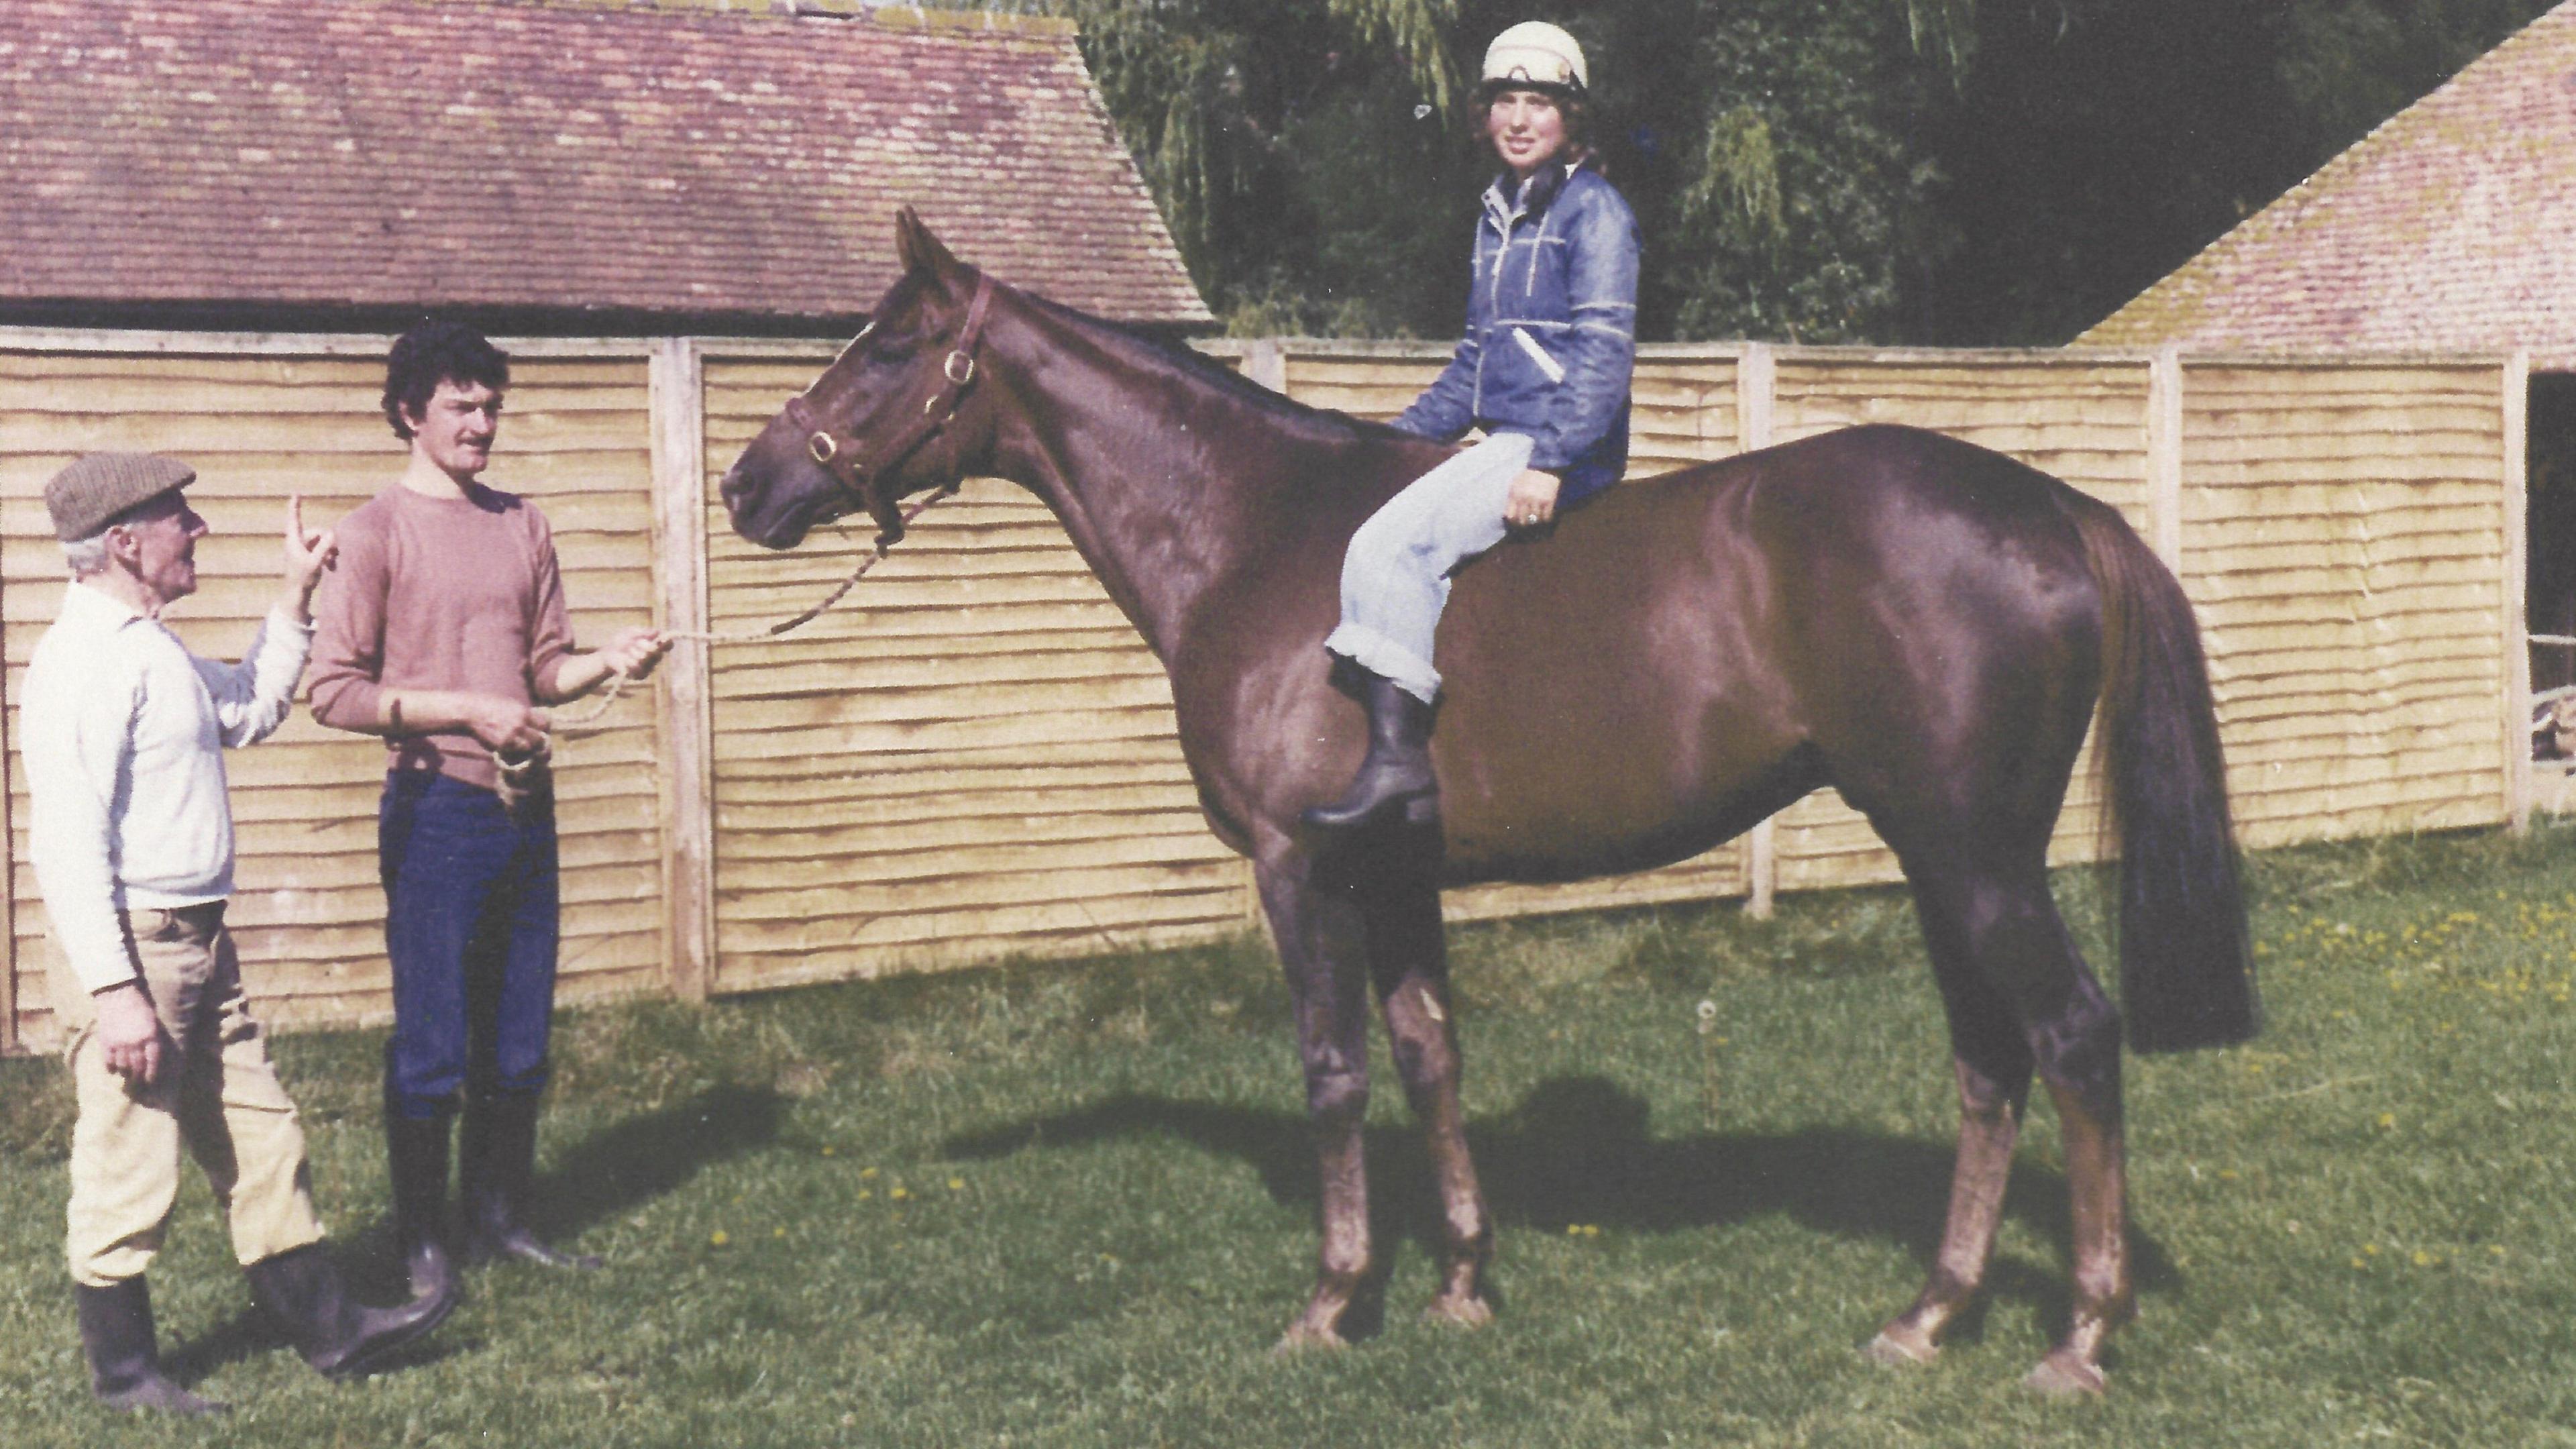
(499, 1164)
(124, 1356)
(1395, 780)
(340, 1337)
(416, 1153)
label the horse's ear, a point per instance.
(916, 248)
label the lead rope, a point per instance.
(520, 773)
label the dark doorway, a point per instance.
(2551, 576)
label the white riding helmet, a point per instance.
(1536, 53)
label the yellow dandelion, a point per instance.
(2424, 1259)
(866, 1193)
(718, 1238)
(867, 1172)
(827, 1152)
(899, 1194)
(2387, 1119)
(956, 1184)
(778, 1232)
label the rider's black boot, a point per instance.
(1395, 780)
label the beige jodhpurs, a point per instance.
(218, 1098)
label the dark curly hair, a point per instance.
(432, 352)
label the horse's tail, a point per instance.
(2185, 977)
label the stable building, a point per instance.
(671, 215)
(550, 167)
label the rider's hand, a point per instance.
(129, 1034)
(1532, 499)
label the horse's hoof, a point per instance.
(1463, 1311)
(1307, 1338)
(1901, 1348)
(2064, 1375)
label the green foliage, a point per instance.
(1808, 195)
(1941, 171)
(2350, 64)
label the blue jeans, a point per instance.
(1395, 578)
(471, 904)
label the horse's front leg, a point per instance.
(1322, 946)
(1409, 961)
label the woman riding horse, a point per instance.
(1543, 369)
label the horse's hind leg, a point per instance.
(1320, 939)
(1408, 958)
(1993, 1063)
(2020, 998)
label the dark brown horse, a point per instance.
(1921, 624)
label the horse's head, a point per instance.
(861, 437)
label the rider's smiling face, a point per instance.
(1527, 128)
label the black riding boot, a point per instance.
(416, 1153)
(124, 1357)
(499, 1164)
(1395, 780)
(342, 1338)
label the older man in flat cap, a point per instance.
(132, 842)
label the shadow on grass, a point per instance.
(611, 1170)
(1576, 1151)
(615, 1169)
(632, 1162)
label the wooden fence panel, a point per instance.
(975, 758)
(307, 911)
(2343, 541)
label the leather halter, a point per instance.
(859, 475)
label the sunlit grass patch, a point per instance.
(1073, 1203)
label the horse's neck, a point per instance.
(1160, 478)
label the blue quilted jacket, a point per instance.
(1551, 332)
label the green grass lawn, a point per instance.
(1073, 1205)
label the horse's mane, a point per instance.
(1154, 353)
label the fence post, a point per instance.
(1265, 361)
(1756, 382)
(2164, 457)
(684, 720)
(2517, 604)
(9, 962)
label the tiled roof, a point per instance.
(2451, 228)
(706, 159)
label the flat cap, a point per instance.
(85, 495)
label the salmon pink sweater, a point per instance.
(436, 593)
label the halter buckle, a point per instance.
(823, 448)
(960, 368)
